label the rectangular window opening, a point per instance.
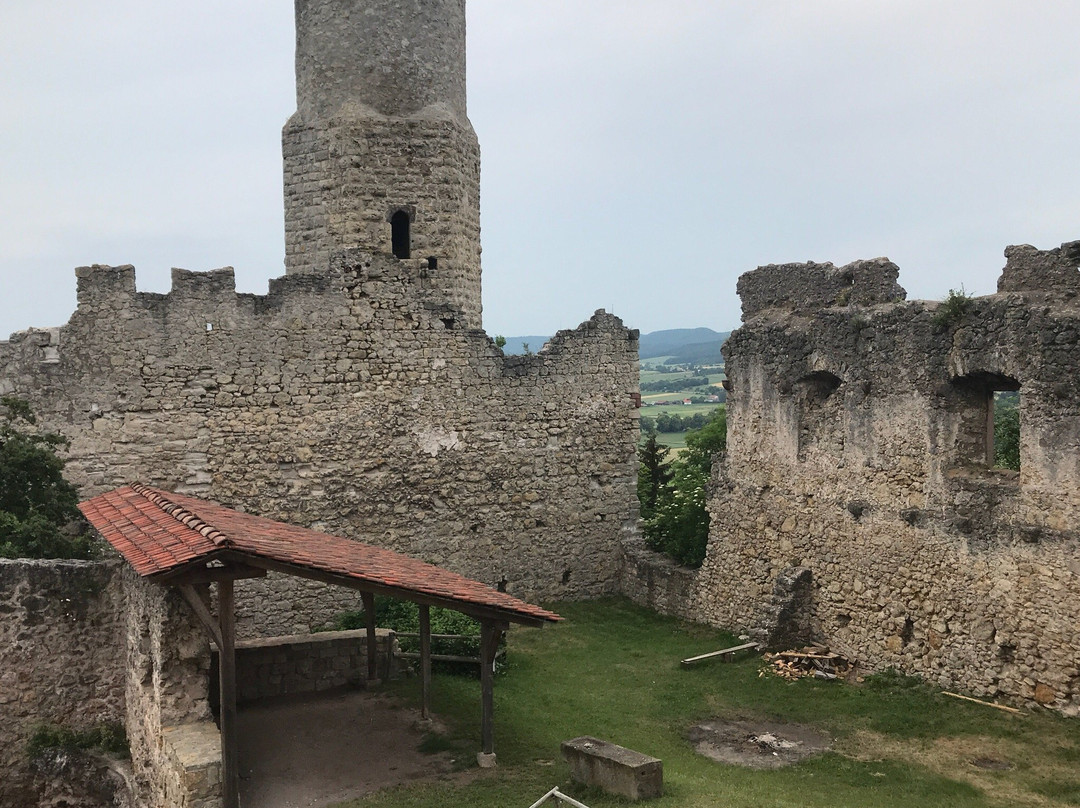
(1003, 430)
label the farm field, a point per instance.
(652, 408)
(612, 670)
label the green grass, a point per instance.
(672, 440)
(612, 670)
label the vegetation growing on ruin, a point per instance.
(109, 738)
(612, 670)
(672, 494)
(38, 513)
(954, 308)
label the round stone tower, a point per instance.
(380, 153)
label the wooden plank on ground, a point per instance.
(686, 663)
(980, 701)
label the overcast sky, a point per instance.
(638, 155)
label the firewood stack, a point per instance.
(813, 660)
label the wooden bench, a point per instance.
(724, 655)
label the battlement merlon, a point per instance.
(100, 283)
(1028, 269)
(810, 287)
(401, 60)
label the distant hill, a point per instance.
(673, 340)
(699, 353)
(684, 345)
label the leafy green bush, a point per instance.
(109, 738)
(38, 513)
(672, 497)
(404, 616)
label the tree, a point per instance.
(38, 513)
(703, 443)
(500, 341)
(680, 526)
(654, 474)
(677, 523)
(1006, 434)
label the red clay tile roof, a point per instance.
(159, 532)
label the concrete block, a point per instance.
(613, 768)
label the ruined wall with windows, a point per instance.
(860, 449)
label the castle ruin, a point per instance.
(858, 503)
(359, 396)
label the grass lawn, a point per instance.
(673, 440)
(612, 670)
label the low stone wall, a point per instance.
(653, 580)
(308, 663)
(191, 765)
(62, 642)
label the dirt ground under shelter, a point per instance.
(319, 750)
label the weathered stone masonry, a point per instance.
(857, 449)
(345, 403)
(358, 396)
(62, 635)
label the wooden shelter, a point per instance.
(188, 543)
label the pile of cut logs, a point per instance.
(813, 660)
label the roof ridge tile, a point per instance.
(182, 515)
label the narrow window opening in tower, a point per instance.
(399, 234)
(989, 427)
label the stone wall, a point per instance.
(62, 640)
(858, 449)
(167, 660)
(308, 663)
(356, 406)
(190, 766)
(653, 580)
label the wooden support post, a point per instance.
(230, 748)
(372, 643)
(198, 605)
(425, 661)
(490, 635)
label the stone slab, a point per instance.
(614, 769)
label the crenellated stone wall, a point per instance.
(354, 403)
(858, 449)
